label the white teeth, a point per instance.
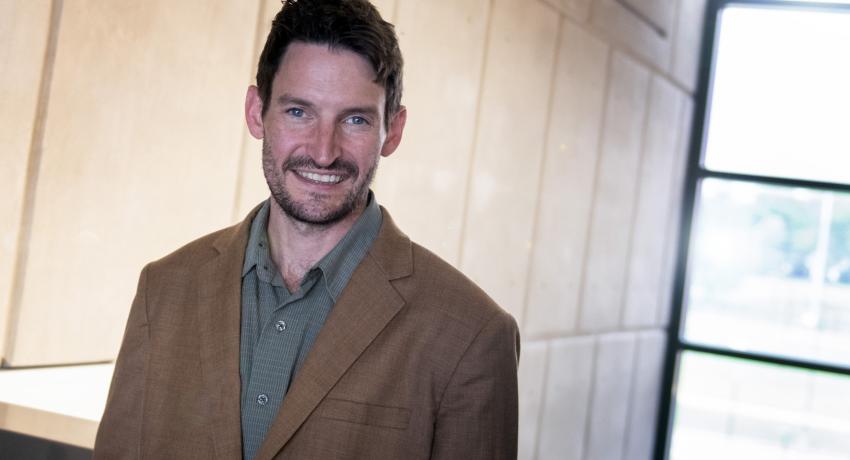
(324, 178)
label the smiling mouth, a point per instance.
(320, 178)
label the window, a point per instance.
(759, 362)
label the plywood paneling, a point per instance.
(629, 30)
(674, 214)
(687, 41)
(658, 13)
(578, 10)
(643, 404)
(568, 390)
(23, 40)
(424, 182)
(611, 224)
(566, 193)
(505, 172)
(659, 157)
(532, 382)
(611, 391)
(141, 142)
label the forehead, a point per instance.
(317, 68)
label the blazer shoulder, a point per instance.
(438, 284)
(192, 254)
(201, 250)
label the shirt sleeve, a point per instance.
(119, 433)
(477, 418)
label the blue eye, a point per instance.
(358, 121)
(295, 112)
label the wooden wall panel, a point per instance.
(578, 10)
(532, 383)
(687, 41)
(505, 174)
(566, 193)
(674, 214)
(646, 261)
(141, 142)
(628, 30)
(569, 389)
(613, 207)
(643, 403)
(423, 183)
(658, 13)
(23, 40)
(612, 383)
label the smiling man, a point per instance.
(315, 328)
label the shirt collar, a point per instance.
(339, 264)
(336, 266)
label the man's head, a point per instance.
(353, 25)
(326, 107)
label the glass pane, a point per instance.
(770, 271)
(780, 101)
(733, 409)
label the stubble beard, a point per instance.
(315, 215)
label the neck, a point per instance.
(296, 246)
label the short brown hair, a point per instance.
(354, 25)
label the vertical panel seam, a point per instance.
(636, 196)
(240, 167)
(547, 356)
(31, 183)
(631, 401)
(591, 393)
(596, 169)
(475, 137)
(535, 217)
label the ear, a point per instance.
(394, 132)
(254, 112)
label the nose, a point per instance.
(325, 150)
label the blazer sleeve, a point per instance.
(477, 418)
(119, 433)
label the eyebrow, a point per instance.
(366, 110)
(287, 99)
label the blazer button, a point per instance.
(280, 326)
(262, 399)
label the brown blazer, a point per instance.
(414, 361)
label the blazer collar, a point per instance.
(362, 311)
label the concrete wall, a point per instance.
(543, 156)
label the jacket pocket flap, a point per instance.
(365, 414)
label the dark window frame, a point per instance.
(694, 175)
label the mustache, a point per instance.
(338, 166)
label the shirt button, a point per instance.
(262, 399)
(280, 325)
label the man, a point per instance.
(315, 329)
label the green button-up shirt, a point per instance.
(278, 327)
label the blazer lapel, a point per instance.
(219, 314)
(364, 308)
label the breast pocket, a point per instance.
(365, 414)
